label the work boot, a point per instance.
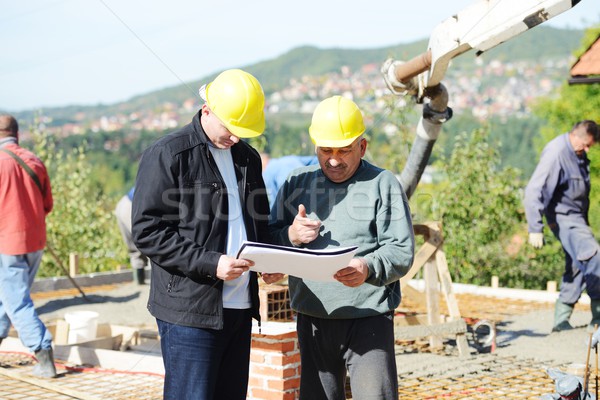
(45, 364)
(139, 275)
(562, 313)
(595, 306)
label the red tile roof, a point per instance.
(589, 62)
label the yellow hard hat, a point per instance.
(237, 99)
(336, 122)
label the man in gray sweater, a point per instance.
(559, 190)
(345, 201)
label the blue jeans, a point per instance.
(362, 346)
(207, 364)
(582, 258)
(16, 276)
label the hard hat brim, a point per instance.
(333, 143)
(247, 132)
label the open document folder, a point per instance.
(314, 265)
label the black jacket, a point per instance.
(179, 221)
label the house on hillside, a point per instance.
(587, 68)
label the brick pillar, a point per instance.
(275, 363)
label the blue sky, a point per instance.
(63, 52)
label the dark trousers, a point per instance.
(363, 346)
(207, 364)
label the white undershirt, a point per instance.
(236, 292)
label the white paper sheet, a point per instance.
(314, 265)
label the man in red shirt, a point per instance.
(25, 200)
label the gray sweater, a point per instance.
(370, 210)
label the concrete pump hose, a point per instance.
(416, 163)
(435, 113)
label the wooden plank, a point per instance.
(446, 284)
(61, 331)
(432, 259)
(453, 310)
(73, 264)
(412, 332)
(432, 294)
(109, 359)
(423, 254)
(129, 336)
(410, 320)
(94, 279)
(103, 342)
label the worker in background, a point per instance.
(137, 260)
(25, 201)
(276, 170)
(345, 326)
(199, 194)
(559, 190)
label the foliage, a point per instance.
(515, 137)
(286, 133)
(81, 221)
(481, 209)
(114, 155)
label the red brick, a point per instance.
(270, 372)
(257, 357)
(290, 372)
(289, 335)
(257, 382)
(286, 384)
(284, 359)
(265, 370)
(283, 347)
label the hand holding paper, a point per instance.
(230, 268)
(355, 274)
(315, 265)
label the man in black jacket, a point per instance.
(199, 194)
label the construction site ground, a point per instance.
(512, 368)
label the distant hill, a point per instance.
(535, 45)
(540, 43)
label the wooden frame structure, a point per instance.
(432, 260)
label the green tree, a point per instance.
(82, 220)
(390, 133)
(480, 206)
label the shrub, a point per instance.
(81, 221)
